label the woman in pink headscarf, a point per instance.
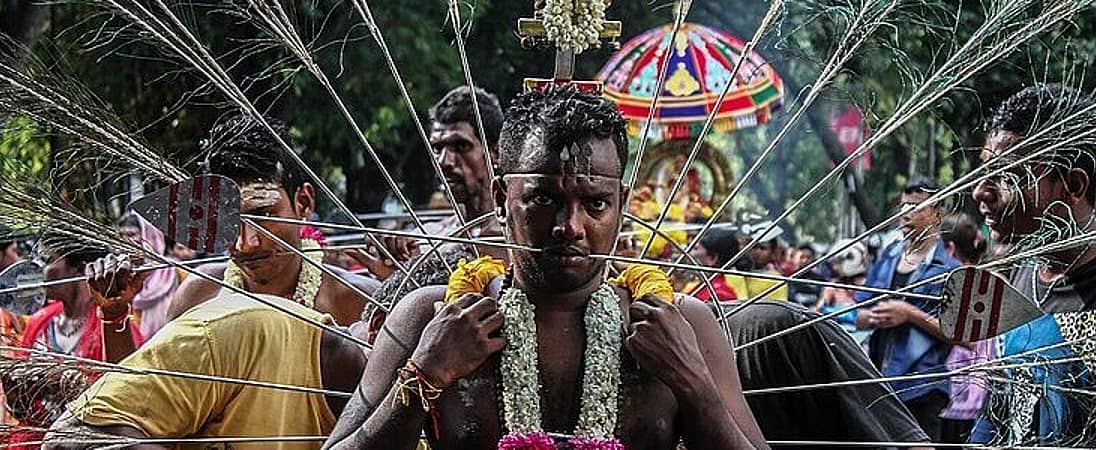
(152, 302)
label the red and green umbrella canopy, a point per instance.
(700, 64)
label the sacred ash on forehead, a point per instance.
(260, 194)
(575, 157)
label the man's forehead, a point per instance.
(998, 142)
(535, 179)
(448, 131)
(593, 156)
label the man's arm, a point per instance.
(371, 407)
(348, 305)
(892, 313)
(445, 342)
(118, 340)
(113, 285)
(195, 290)
(68, 430)
(682, 345)
(718, 353)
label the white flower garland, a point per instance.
(575, 24)
(308, 279)
(600, 377)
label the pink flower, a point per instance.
(595, 444)
(527, 441)
(310, 232)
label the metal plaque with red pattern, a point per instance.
(201, 213)
(980, 304)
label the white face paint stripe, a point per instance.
(259, 195)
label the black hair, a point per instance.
(432, 271)
(921, 183)
(961, 230)
(565, 115)
(806, 247)
(55, 245)
(129, 219)
(721, 242)
(7, 238)
(241, 148)
(456, 107)
(1037, 108)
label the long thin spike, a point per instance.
(838, 60)
(92, 364)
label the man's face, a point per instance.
(917, 225)
(704, 257)
(1015, 202)
(570, 210)
(762, 254)
(460, 155)
(9, 254)
(181, 252)
(802, 258)
(259, 257)
(131, 233)
(58, 268)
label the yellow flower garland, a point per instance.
(641, 280)
(473, 278)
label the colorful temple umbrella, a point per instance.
(700, 64)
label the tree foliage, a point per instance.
(175, 106)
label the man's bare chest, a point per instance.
(470, 416)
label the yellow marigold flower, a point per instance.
(642, 279)
(473, 277)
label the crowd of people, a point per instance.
(446, 367)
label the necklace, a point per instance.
(308, 279)
(520, 376)
(68, 326)
(600, 378)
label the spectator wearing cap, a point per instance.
(850, 267)
(907, 338)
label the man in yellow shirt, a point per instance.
(234, 337)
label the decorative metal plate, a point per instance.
(979, 304)
(26, 301)
(202, 213)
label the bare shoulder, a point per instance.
(700, 316)
(345, 303)
(196, 289)
(366, 284)
(417, 307)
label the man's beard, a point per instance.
(462, 193)
(539, 272)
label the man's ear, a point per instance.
(1077, 185)
(625, 191)
(304, 201)
(498, 191)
